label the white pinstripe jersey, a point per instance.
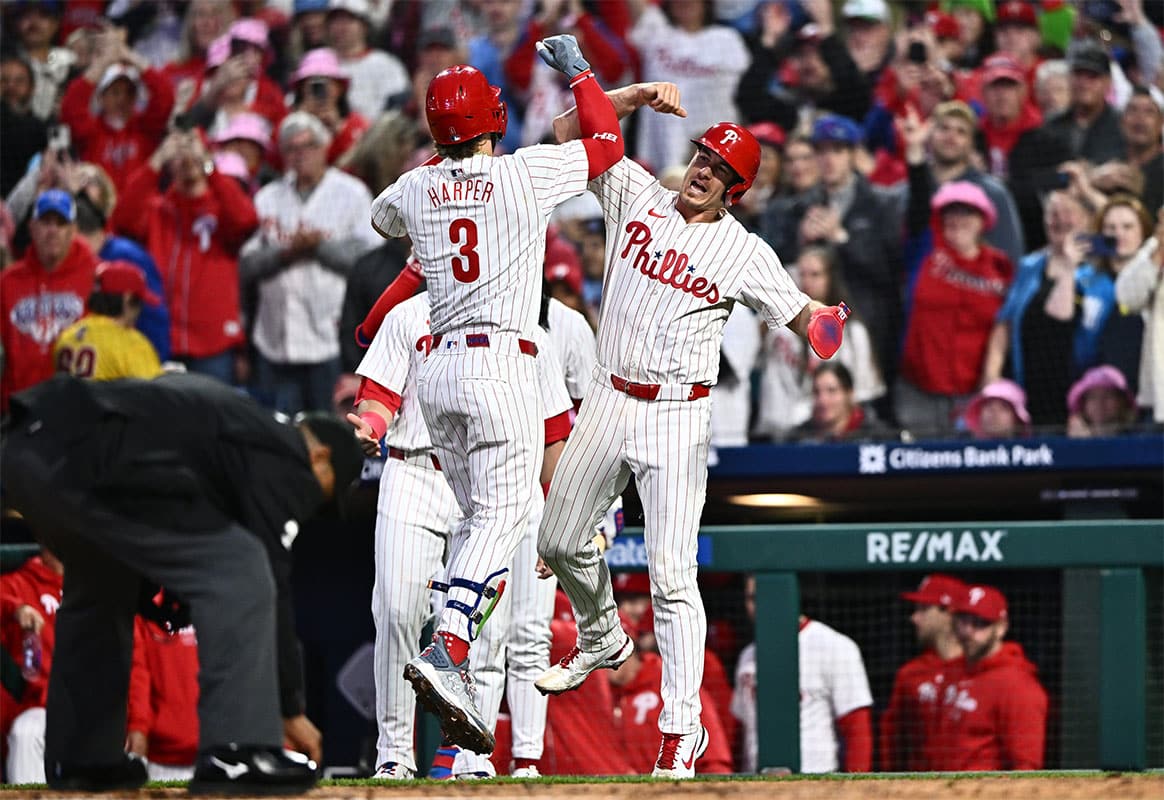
(393, 360)
(669, 285)
(399, 348)
(299, 308)
(478, 227)
(573, 343)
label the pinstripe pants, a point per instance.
(664, 445)
(484, 416)
(415, 514)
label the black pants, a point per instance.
(223, 574)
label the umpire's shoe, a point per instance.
(569, 673)
(127, 774)
(252, 770)
(446, 689)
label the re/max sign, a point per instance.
(933, 547)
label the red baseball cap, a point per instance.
(1016, 12)
(984, 602)
(1002, 67)
(123, 277)
(563, 264)
(936, 590)
(632, 583)
(768, 133)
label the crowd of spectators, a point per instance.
(980, 180)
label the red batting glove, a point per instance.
(826, 328)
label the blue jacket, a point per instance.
(154, 321)
(1095, 293)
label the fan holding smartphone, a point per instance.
(321, 87)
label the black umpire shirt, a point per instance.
(186, 453)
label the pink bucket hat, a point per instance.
(1001, 389)
(968, 194)
(232, 164)
(320, 63)
(250, 127)
(1105, 376)
(251, 31)
(217, 52)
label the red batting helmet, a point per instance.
(739, 149)
(461, 105)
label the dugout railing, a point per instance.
(1108, 573)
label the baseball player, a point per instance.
(419, 522)
(104, 344)
(478, 227)
(910, 721)
(676, 264)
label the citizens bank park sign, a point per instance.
(878, 459)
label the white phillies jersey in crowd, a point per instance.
(669, 285)
(299, 308)
(573, 343)
(393, 360)
(399, 348)
(832, 684)
(478, 227)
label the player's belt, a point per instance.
(656, 391)
(417, 458)
(482, 340)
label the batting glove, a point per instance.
(563, 54)
(826, 328)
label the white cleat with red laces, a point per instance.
(678, 754)
(569, 673)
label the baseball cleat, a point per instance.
(525, 772)
(255, 770)
(393, 771)
(678, 754)
(446, 689)
(569, 673)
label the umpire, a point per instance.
(184, 483)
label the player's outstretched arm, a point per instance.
(823, 326)
(597, 121)
(375, 407)
(660, 96)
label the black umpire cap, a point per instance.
(347, 459)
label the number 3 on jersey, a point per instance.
(468, 269)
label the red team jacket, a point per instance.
(118, 151)
(911, 718)
(163, 692)
(637, 722)
(35, 306)
(195, 242)
(993, 717)
(36, 585)
(579, 723)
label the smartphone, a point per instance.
(184, 122)
(1062, 180)
(60, 138)
(238, 47)
(317, 89)
(917, 53)
(1100, 245)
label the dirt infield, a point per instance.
(1057, 787)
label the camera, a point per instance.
(917, 53)
(317, 88)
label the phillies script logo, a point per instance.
(670, 268)
(42, 317)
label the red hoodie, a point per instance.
(35, 306)
(637, 720)
(119, 151)
(195, 242)
(911, 718)
(994, 717)
(1000, 139)
(163, 692)
(34, 584)
(954, 303)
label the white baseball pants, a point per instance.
(664, 445)
(25, 760)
